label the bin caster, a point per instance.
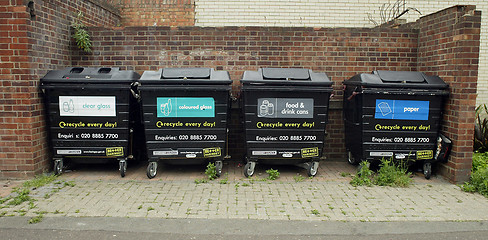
(152, 170)
(350, 159)
(427, 170)
(58, 166)
(122, 167)
(312, 169)
(218, 168)
(249, 169)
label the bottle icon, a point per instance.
(165, 108)
(65, 107)
(266, 109)
(69, 106)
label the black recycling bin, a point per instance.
(91, 114)
(185, 112)
(393, 114)
(285, 114)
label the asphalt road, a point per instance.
(150, 228)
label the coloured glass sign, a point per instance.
(185, 107)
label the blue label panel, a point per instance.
(402, 109)
(186, 107)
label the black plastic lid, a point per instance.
(186, 76)
(286, 77)
(186, 73)
(286, 74)
(401, 76)
(397, 79)
(90, 75)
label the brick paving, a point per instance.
(98, 191)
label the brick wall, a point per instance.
(449, 47)
(156, 12)
(445, 44)
(340, 53)
(30, 45)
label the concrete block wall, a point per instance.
(330, 13)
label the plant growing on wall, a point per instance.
(81, 36)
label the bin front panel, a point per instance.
(185, 122)
(285, 122)
(89, 120)
(400, 126)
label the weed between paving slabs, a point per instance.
(250, 199)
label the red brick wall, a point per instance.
(156, 12)
(446, 44)
(449, 47)
(29, 47)
(340, 53)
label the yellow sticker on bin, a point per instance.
(114, 151)
(310, 152)
(425, 154)
(212, 152)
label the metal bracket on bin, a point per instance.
(137, 95)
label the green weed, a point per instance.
(364, 175)
(69, 184)
(36, 219)
(299, 178)
(273, 174)
(393, 175)
(198, 181)
(390, 174)
(81, 36)
(224, 180)
(211, 171)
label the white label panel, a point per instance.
(93, 106)
(66, 152)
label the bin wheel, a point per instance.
(427, 170)
(312, 169)
(152, 170)
(351, 159)
(218, 168)
(58, 166)
(122, 167)
(249, 169)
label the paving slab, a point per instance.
(98, 191)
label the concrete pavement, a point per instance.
(75, 228)
(98, 191)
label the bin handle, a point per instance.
(352, 96)
(137, 94)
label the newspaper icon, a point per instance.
(384, 108)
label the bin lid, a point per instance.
(397, 79)
(183, 76)
(286, 77)
(90, 75)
